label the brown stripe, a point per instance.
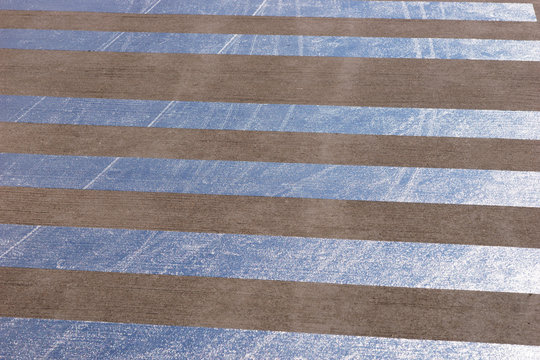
(271, 305)
(414, 222)
(380, 150)
(469, 84)
(224, 24)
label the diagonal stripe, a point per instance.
(457, 267)
(434, 223)
(422, 185)
(271, 305)
(314, 8)
(76, 339)
(250, 208)
(277, 45)
(269, 25)
(273, 117)
(494, 154)
(498, 85)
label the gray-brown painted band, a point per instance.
(366, 220)
(271, 305)
(468, 84)
(536, 6)
(224, 24)
(379, 150)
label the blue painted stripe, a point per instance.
(273, 117)
(10, 235)
(302, 8)
(61, 339)
(358, 262)
(285, 45)
(375, 183)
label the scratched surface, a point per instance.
(273, 258)
(285, 45)
(317, 181)
(312, 8)
(273, 117)
(339, 261)
(71, 339)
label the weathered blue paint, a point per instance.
(266, 257)
(60, 339)
(321, 181)
(287, 45)
(273, 117)
(359, 262)
(299, 8)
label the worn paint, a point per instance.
(273, 117)
(313, 8)
(79, 339)
(319, 181)
(359, 262)
(282, 45)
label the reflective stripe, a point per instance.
(375, 183)
(273, 117)
(311, 8)
(284, 45)
(381, 263)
